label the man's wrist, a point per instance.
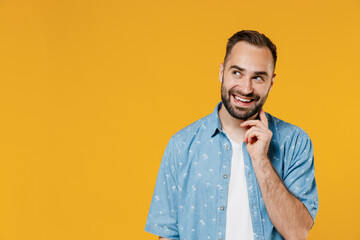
(262, 164)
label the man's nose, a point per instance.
(246, 86)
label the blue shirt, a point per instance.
(191, 191)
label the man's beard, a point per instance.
(239, 112)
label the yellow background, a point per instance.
(91, 91)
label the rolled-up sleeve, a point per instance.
(300, 174)
(162, 218)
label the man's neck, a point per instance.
(231, 125)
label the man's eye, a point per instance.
(236, 73)
(258, 78)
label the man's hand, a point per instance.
(288, 214)
(257, 138)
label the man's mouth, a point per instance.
(243, 100)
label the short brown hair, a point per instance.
(252, 37)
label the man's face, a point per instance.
(246, 80)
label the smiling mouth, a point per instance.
(243, 100)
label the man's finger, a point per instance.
(251, 123)
(263, 117)
(254, 135)
(254, 132)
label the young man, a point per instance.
(238, 173)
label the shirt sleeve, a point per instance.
(299, 177)
(162, 218)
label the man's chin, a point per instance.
(244, 116)
(241, 113)
(246, 113)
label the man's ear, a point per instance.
(221, 72)
(272, 80)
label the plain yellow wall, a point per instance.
(91, 91)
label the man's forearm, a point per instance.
(161, 238)
(287, 213)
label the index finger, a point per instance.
(263, 117)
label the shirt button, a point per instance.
(222, 208)
(225, 176)
(228, 147)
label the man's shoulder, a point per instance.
(284, 129)
(201, 126)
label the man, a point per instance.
(238, 173)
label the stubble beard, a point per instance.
(239, 112)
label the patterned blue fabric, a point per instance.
(190, 195)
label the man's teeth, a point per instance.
(241, 99)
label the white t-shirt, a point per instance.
(238, 219)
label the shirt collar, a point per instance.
(215, 124)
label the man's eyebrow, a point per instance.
(264, 73)
(237, 67)
(261, 73)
